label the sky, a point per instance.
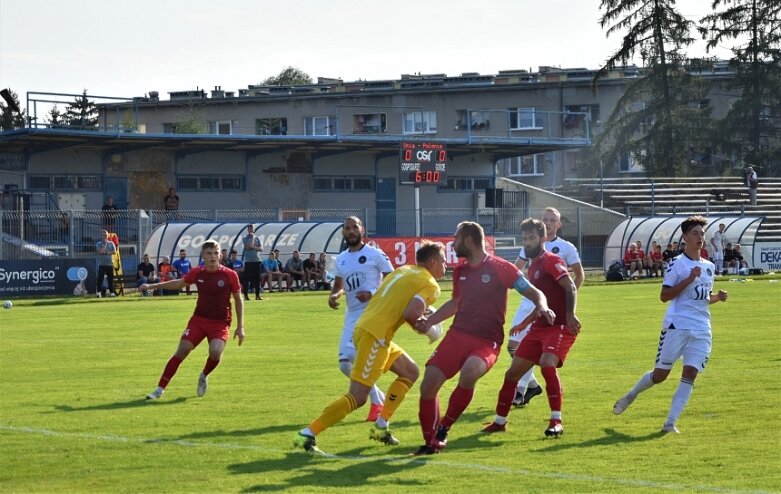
(126, 49)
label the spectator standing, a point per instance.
(473, 342)
(145, 273)
(252, 249)
(65, 228)
(548, 342)
(211, 319)
(717, 248)
(181, 267)
(752, 182)
(686, 328)
(171, 204)
(106, 250)
(295, 268)
(110, 214)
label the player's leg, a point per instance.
(182, 351)
(217, 340)
(428, 406)
(473, 369)
(548, 364)
(695, 357)
(518, 367)
(671, 343)
(407, 373)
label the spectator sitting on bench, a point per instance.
(166, 273)
(275, 274)
(145, 273)
(738, 258)
(295, 268)
(656, 260)
(729, 259)
(668, 254)
(633, 261)
(310, 272)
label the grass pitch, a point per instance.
(73, 417)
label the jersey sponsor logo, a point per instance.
(354, 281)
(362, 260)
(700, 292)
(485, 278)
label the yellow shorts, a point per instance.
(372, 357)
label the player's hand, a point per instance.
(548, 315)
(722, 295)
(695, 273)
(422, 325)
(239, 334)
(516, 329)
(573, 324)
(333, 301)
(363, 296)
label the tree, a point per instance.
(82, 113)
(11, 115)
(751, 126)
(190, 120)
(290, 76)
(55, 118)
(653, 121)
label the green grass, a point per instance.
(73, 417)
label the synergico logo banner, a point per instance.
(47, 277)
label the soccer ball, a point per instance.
(7, 304)
(435, 331)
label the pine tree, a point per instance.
(55, 118)
(653, 120)
(82, 113)
(11, 115)
(752, 126)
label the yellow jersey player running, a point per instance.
(403, 297)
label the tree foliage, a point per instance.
(11, 115)
(82, 113)
(653, 121)
(750, 127)
(290, 76)
(55, 118)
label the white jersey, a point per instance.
(691, 308)
(361, 271)
(560, 247)
(717, 244)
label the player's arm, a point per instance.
(580, 275)
(175, 284)
(526, 289)
(337, 290)
(670, 292)
(447, 310)
(571, 297)
(414, 311)
(238, 300)
(520, 263)
(718, 297)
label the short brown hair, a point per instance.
(691, 222)
(427, 250)
(210, 244)
(533, 225)
(473, 230)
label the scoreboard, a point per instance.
(423, 163)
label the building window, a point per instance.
(369, 123)
(271, 126)
(628, 163)
(574, 117)
(319, 126)
(525, 119)
(424, 122)
(65, 182)
(477, 120)
(465, 184)
(221, 127)
(206, 183)
(344, 184)
(524, 166)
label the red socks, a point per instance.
(170, 369)
(210, 365)
(459, 400)
(506, 396)
(428, 415)
(552, 387)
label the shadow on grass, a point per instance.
(135, 403)
(241, 433)
(318, 473)
(611, 437)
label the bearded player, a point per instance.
(546, 345)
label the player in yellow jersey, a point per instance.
(402, 297)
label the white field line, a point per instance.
(429, 460)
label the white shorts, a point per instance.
(693, 347)
(717, 258)
(346, 347)
(526, 308)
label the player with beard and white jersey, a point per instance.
(359, 273)
(528, 387)
(686, 329)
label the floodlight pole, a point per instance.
(417, 211)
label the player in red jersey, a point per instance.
(548, 342)
(212, 317)
(475, 338)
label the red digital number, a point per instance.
(418, 176)
(436, 177)
(407, 155)
(442, 155)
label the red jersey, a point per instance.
(214, 291)
(544, 273)
(482, 297)
(656, 256)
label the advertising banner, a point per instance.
(401, 250)
(31, 278)
(767, 255)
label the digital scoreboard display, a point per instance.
(423, 163)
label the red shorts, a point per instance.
(554, 339)
(199, 328)
(457, 346)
